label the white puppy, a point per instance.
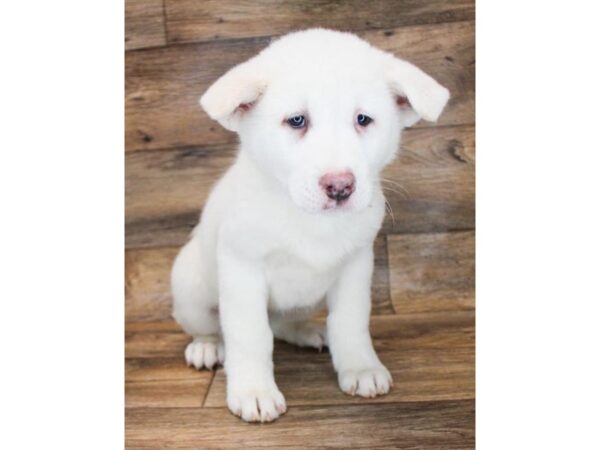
(290, 226)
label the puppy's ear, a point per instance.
(234, 94)
(417, 94)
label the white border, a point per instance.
(537, 225)
(62, 187)
(61, 181)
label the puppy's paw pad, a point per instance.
(366, 382)
(201, 354)
(256, 405)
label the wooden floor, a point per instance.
(423, 291)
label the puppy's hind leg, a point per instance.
(195, 308)
(300, 331)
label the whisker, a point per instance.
(403, 192)
(398, 185)
(400, 193)
(391, 211)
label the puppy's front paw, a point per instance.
(368, 382)
(256, 405)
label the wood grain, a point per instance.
(432, 272)
(190, 20)
(165, 191)
(148, 293)
(167, 393)
(164, 382)
(431, 187)
(160, 369)
(162, 89)
(163, 84)
(431, 357)
(144, 24)
(380, 286)
(154, 339)
(421, 425)
(423, 284)
(147, 283)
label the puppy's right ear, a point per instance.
(234, 94)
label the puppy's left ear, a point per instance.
(235, 93)
(417, 94)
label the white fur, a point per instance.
(271, 247)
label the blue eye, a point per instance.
(297, 122)
(363, 120)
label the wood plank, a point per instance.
(430, 356)
(144, 24)
(159, 369)
(147, 282)
(167, 393)
(163, 84)
(447, 53)
(165, 190)
(165, 383)
(423, 425)
(380, 286)
(431, 187)
(432, 272)
(190, 20)
(154, 339)
(162, 88)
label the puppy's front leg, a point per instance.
(251, 390)
(354, 358)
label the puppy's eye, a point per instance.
(363, 120)
(297, 122)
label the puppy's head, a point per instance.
(322, 112)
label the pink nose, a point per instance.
(338, 186)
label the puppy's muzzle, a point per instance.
(338, 186)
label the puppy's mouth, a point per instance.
(336, 204)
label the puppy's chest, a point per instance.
(294, 283)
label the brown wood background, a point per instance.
(423, 292)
